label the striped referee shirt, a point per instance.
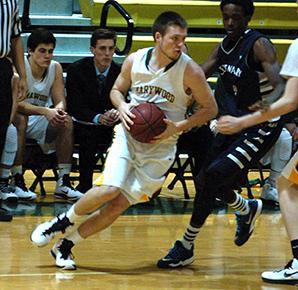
(10, 24)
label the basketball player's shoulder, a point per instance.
(56, 67)
(193, 69)
(128, 61)
(55, 63)
(136, 57)
(140, 52)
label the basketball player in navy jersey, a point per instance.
(134, 171)
(239, 58)
(288, 181)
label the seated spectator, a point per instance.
(42, 115)
(88, 85)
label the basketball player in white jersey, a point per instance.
(135, 171)
(42, 116)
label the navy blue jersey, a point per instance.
(238, 83)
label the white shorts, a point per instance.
(290, 172)
(136, 168)
(37, 129)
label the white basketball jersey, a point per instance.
(40, 90)
(163, 87)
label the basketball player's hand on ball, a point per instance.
(125, 115)
(229, 125)
(109, 118)
(170, 130)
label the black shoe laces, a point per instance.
(289, 265)
(177, 251)
(59, 226)
(20, 182)
(66, 181)
(65, 249)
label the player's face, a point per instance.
(234, 20)
(103, 53)
(172, 42)
(42, 55)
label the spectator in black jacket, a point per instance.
(88, 85)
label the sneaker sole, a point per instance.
(26, 198)
(63, 196)
(178, 265)
(281, 281)
(10, 199)
(5, 217)
(257, 214)
(64, 268)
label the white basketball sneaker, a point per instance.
(46, 231)
(269, 192)
(61, 252)
(287, 275)
(22, 192)
(65, 190)
(7, 193)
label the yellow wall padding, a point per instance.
(199, 14)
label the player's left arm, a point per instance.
(58, 97)
(195, 82)
(265, 54)
(194, 79)
(287, 103)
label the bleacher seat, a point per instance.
(199, 14)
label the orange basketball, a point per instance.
(148, 122)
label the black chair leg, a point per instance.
(179, 176)
(249, 192)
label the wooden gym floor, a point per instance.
(123, 257)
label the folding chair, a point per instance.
(38, 162)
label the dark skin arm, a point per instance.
(210, 65)
(265, 54)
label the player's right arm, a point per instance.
(287, 103)
(119, 91)
(210, 65)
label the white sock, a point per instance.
(17, 169)
(10, 146)
(63, 168)
(72, 216)
(240, 205)
(189, 236)
(4, 173)
(75, 237)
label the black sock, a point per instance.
(294, 245)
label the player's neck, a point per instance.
(159, 60)
(101, 68)
(37, 71)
